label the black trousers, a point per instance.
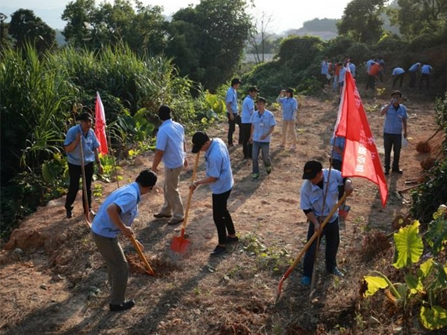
(399, 77)
(332, 234)
(392, 141)
(75, 173)
(247, 147)
(222, 217)
(232, 128)
(426, 78)
(371, 82)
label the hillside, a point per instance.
(54, 280)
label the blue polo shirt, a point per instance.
(261, 124)
(127, 199)
(341, 75)
(368, 65)
(324, 67)
(397, 71)
(89, 144)
(414, 67)
(218, 166)
(352, 69)
(289, 108)
(312, 196)
(170, 140)
(231, 98)
(338, 142)
(248, 108)
(426, 69)
(393, 119)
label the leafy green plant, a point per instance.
(422, 285)
(267, 257)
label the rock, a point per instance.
(25, 239)
(55, 203)
(18, 251)
(57, 278)
(44, 287)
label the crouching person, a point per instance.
(115, 216)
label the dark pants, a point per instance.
(75, 173)
(426, 78)
(396, 78)
(117, 266)
(412, 79)
(232, 128)
(323, 79)
(222, 217)
(332, 234)
(247, 147)
(371, 83)
(392, 141)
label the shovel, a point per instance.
(307, 246)
(180, 243)
(149, 271)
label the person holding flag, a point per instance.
(319, 194)
(81, 134)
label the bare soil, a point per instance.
(54, 280)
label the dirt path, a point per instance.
(55, 282)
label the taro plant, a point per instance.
(425, 277)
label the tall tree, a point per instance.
(80, 28)
(25, 27)
(419, 16)
(361, 20)
(215, 35)
(142, 29)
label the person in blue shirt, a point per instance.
(319, 194)
(324, 72)
(115, 216)
(220, 177)
(338, 146)
(171, 149)
(395, 122)
(248, 108)
(413, 71)
(232, 111)
(398, 74)
(425, 75)
(81, 133)
(262, 126)
(289, 110)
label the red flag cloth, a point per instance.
(100, 125)
(360, 157)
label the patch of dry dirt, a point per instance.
(54, 280)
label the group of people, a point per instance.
(257, 124)
(335, 72)
(320, 191)
(425, 74)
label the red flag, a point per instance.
(100, 125)
(360, 157)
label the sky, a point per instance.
(284, 14)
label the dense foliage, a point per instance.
(433, 192)
(38, 95)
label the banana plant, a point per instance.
(422, 285)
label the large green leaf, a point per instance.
(409, 246)
(426, 267)
(414, 283)
(433, 318)
(374, 284)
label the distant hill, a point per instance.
(326, 29)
